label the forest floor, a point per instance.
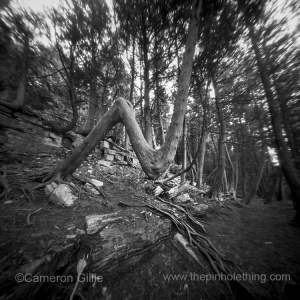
(257, 237)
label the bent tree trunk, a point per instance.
(153, 162)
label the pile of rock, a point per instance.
(113, 153)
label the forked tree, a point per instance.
(153, 161)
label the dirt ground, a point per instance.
(257, 237)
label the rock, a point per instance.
(95, 222)
(104, 145)
(183, 198)
(102, 169)
(80, 231)
(91, 189)
(104, 163)
(97, 183)
(112, 170)
(71, 236)
(63, 195)
(119, 157)
(135, 161)
(119, 240)
(159, 190)
(198, 210)
(184, 188)
(50, 188)
(109, 157)
(27, 134)
(110, 151)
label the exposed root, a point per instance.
(86, 180)
(29, 215)
(200, 244)
(56, 178)
(10, 182)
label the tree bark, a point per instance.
(147, 108)
(131, 88)
(184, 155)
(153, 162)
(158, 108)
(216, 187)
(202, 149)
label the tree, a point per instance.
(153, 162)
(22, 24)
(93, 21)
(288, 168)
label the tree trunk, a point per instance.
(184, 155)
(289, 130)
(153, 138)
(147, 108)
(19, 101)
(160, 123)
(92, 110)
(158, 109)
(258, 176)
(231, 187)
(290, 172)
(216, 187)
(281, 186)
(131, 88)
(202, 151)
(71, 86)
(236, 183)
(245, 178)
(21, 92)
(153, 162)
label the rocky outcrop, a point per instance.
(24, 135)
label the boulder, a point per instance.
(117, 241)
(63, 196)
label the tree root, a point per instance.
(56, 179)
(29, 215)
(201, 245)
(9, 182)
(86, 180)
